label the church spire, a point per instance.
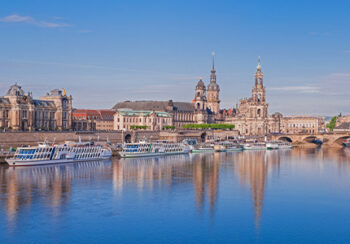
(258, 68)
(213, 54)
(213, 75)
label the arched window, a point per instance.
(198, 105)
(259, 112)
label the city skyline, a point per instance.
(159, 50)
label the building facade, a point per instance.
(301, 125)
(251, 116)
(127, 119)
(93, 120)
(204, 108)
(21, 112)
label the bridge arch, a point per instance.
(285, 138)
(203, 136)
(341, 139)
(127, 138)
(312, 139)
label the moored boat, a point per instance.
(148, 149)
(232, 146)
(272, 145)
(346, 142)
(255, 146)
(284, 145)
(203, 148)
(68, 152)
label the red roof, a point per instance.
(100, 114)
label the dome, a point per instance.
(15, 90)
(200, 85)
(213, 87)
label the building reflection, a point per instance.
(252, 169)
(22, 187)
(201, 170)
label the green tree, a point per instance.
(331, 124)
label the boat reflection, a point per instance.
(22, 187)
(52, 186)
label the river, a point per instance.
(285, 196)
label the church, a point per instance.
(251, 116)
(203, 109)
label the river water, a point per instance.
(291, 196)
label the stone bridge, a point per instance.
(331, 139)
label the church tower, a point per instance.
(200, 98)
(213, 92)
(259, 95)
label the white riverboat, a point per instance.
(284, 145)
(227, 146)
(271, 145)
(255, 146)
(68, 152)
(203, 148)
(148, 149)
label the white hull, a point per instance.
(285, 147)
(234, 149)
(135, 154)
(272, 146)
(254, 148)
(203, 150)
(15, 163)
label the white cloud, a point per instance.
(298, 89)
(15, 18)
(347, 51)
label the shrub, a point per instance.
(142, 127)
(209, 126)
(169, 127)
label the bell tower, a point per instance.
(200, 98)
(213, 91)
(259, 94)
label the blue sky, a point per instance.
(103, 52)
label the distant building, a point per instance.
(126, 119)
(301, 124)
(203, 109)
(92, 119)
(251, 114)
(21, 112)
(181, 112)
(343, 127)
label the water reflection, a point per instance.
(22, 187)
(252, 169)
(51, 187)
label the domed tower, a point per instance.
(200, 98)
(213, 92)
(259, 94)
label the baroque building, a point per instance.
(251, 117)
(251, 114)
(203, 109)
(125, 119)
(21, 112)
